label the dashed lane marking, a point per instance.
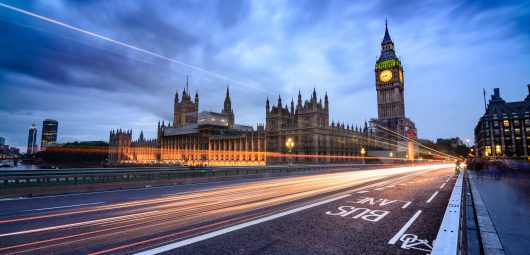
(432, 197)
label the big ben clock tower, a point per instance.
(389, 81)
(390, 87)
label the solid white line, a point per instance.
(404, 228)
(60, 207)
(432, 197)
(234, 228)
(362, 191)
(441, 187)
(75, 224)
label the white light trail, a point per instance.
(154, 54)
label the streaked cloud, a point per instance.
(450, 49)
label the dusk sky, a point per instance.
(450, 50)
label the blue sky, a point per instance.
(451, 50)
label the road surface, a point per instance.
(382, 211)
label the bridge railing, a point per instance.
(49, 177)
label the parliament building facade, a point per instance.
(213, 139)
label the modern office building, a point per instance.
(2, 141)
(32, 140)
(504, 129)
(49, 133)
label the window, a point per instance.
(488, 150)
(506, 123)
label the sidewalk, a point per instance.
(507, 200)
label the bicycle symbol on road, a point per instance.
(411, 241)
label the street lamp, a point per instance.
(363, 151)
(290, 145)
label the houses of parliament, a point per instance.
(210, 138)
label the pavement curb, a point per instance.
(491, 243)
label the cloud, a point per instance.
(450, 50)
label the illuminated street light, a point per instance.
(290, 145)
(363, 151)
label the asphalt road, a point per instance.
(386, 211)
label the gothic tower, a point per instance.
(227, 109)
(389, 81)
(390, 85)
(186, 110)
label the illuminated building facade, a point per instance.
(195, 138)
(49, 133)
(504, 130)
(315, 139)
(210, 138)
(391, 122)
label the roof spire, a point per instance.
(387, 38)
(187, 89)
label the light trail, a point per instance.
(151, 53)
(182, 215)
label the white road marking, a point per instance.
(60, 207)
(441, 187)
(448, 178)
(362, 191)
(404, 228)
(178, 244)
(432, 197)
(75, 224)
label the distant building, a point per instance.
(49, 133)
(504, 129)
(391, 123)
(453, 142)
(32, 140)
(2, 141)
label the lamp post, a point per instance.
(290, 145)
(363, 151)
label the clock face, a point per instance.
(400, 75)
(385, 75)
